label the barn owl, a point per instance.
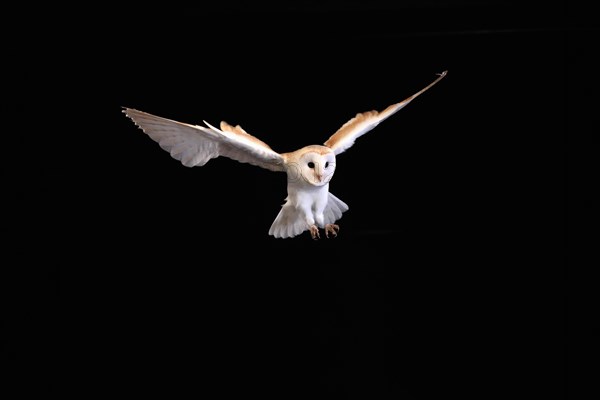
(309, 205)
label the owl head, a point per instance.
(311, 165)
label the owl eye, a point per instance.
(311, 164)
(327, 164)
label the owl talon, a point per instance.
(314, 232)
(331, 229)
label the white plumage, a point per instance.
(309, 205)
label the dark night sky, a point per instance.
(134, 274)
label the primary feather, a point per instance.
(195, 145)
(362, 123)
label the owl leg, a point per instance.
(319, 223)
(314, 232)
(331, 229)
(314, 229)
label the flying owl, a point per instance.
(309, 205)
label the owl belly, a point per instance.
(304, 208)
(310, 202)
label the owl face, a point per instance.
(316, 167)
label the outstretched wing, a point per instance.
(195, 145)
(363, 122)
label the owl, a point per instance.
(309, 205)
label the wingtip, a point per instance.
(130, 112)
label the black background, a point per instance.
(131, 274)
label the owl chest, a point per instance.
(314, 199)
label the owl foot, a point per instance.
(331, 229)
(314, 232)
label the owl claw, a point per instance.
(314, 232)
(331, 229)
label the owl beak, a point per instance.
(319, 177)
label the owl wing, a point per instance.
(362, 123)
(195, 145)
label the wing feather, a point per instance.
(195, 145)
(362, 123)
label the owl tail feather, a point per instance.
(291, 221)
(334, 209)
